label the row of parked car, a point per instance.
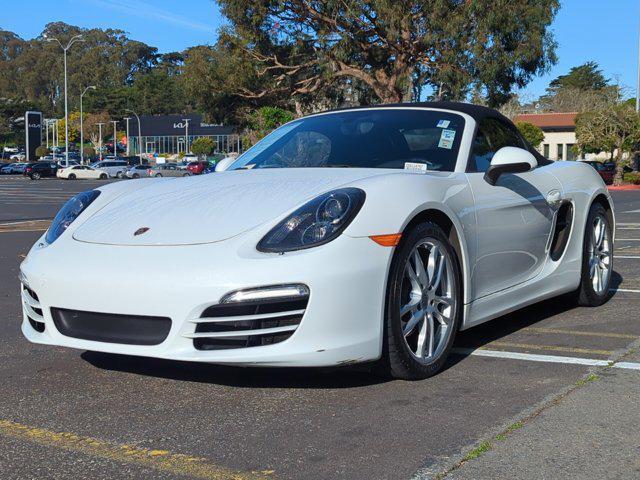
(108, 168)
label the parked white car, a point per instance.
(370, 234)
(114, 168)
(82, 172)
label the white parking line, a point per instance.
(626, 256)
(626, 290)
(592, 362)
(627, 239)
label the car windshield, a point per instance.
(371, 138)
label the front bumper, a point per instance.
(342, 321)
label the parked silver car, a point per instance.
(114, 168)
(138, 171)
(167, 170)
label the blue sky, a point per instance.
(605, 31)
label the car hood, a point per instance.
(208, 208)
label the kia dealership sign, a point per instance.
(33, 134)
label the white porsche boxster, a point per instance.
(359, 235)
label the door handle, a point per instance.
(554, 197)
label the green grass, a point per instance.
(592, 377)
(479, 450)
(511, 428)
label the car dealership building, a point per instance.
(172, 134)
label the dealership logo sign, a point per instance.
(140, 231)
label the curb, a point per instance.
(624, 187)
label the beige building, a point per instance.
(559, 134)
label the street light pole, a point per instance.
(139, 133)
(100, 124)
(115, 138)
(127, 120)
(186, 135)
(46, 131)
(90, 87)
(76, 38)
(638, 82)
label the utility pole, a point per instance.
(77, 38)
(638, 82)
(100, 124)
(139, 133)
(90, 87)
(127, 120)
(186, 135)
(115, 138)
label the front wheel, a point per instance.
(72, 176)
(135, 175)
(158, 175)
(119, 175)
(103, 176)
(597, 259)
(186, 174)
(423, 304)
(35, 176)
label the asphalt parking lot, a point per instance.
(67, 414)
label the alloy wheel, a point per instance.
(427, 304)
(599, 255)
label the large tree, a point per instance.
(583, 88)
(393, 47)
(614, 129)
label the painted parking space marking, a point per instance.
(25, 226)
(532, 357)
(629, 257)
(626, 290)
(581, 333)
(161, 460)
(551, 348)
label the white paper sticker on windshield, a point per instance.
(443, 123)
(415, 167)
(446, 139)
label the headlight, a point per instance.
(68, 213)
(315, 223)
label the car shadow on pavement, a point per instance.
(338, 377)
(240, 377)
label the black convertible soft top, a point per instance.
(477, 112)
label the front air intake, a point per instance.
(250, 323)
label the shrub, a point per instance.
(632, 178)
(203, 146)
(531, 133)
(41, 151)
(89, 151)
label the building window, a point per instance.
(560, 151)
(545, 150)
(570, 153)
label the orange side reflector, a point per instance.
(391, 240)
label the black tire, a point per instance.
(135, 175)
(35, 176)
(158, 175)
(397, 360)
(186, 174)
(72, 176)
(119, 175)
(586, 295)
(103, 176)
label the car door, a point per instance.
(514, 217)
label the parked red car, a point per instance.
(196, 168)
(605, 170)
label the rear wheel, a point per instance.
(597, 259)
(35, 176)
(135, 175)
(186, 174)
(119, 175)
(423, 304)
(158, 175)
(103, 176)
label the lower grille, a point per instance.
(248, 324)
(32, 309)
(110, 327)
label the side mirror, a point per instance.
(225, 163)
(509, 160)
